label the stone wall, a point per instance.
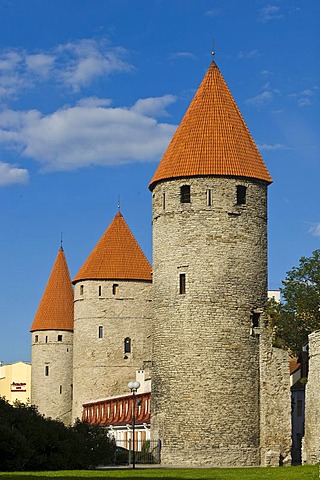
(275, 401)
(205, 364)
(120, 309)
(311, 441)
(51, 373)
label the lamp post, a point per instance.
(133, 387)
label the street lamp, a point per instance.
(133, 387)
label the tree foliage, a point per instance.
(29, 441)
(299, 313)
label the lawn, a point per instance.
(309, 472)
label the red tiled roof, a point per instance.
(117, 256)
(55, 311)
(294, 365)
(212, 138)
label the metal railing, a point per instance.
(146, 452)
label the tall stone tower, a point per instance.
(209, 197)
(112, 316)
(52, 345)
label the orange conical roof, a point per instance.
(212, 138)
(117, 256)
(55, 311)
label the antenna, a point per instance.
(212, 51)
(119, 202)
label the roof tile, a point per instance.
(212, 138)
(55, 311)
(117, 256)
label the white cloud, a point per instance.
(315, 230)
(75, 65)
(178, 55)
(11, 174)
(247, 55)
(214, 12)
(87, 59)
(305, 97)
(40, 63)
(154, 106)
(84, 135)
(270, 12)
(276, 146)
(261, 99)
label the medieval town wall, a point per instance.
(106, 313)
(311, 440)
(205, 364)
(51, 373)
(275, 401)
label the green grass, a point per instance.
(306, 472)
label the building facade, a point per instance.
(15, 382)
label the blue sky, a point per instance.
(91, 92)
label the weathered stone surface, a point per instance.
(205, 365)
(311, 441)
(275, 401)
(101, 367)
(51, 371)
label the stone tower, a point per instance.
(52, 345)
(112, 316)
(209, 198)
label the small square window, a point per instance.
(115, 289)
(59, 338)
(185, 196)
(36, 339)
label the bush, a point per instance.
(29, 441)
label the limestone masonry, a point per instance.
(220, 392)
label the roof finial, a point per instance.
(119, 202)
(61, 241)
(213, 52)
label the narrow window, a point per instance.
(127, 345)
(100, 331)
(46, 339)
(255, 317)
(163, 200)
(99, 290)
(59, 338)
(60, 389)
(185, 194)
(81, 289)
(36, 339)
(241, 195)
(115, 289)
(46, 370)
(182, 283)
(209, 198)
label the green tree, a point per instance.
(299, 313)
(29, 441)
